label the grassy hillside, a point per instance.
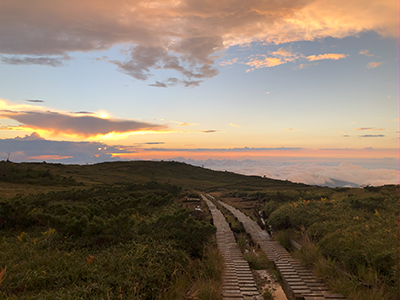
(23, 178)
(116, 217)
(111, 242)
(350, 236)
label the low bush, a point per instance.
(358, 233)
(101, 243)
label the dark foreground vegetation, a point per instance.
(126, 242)
(119, 231)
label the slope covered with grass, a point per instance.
(129, 242)
(350, 236)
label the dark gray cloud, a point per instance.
(79, 125)
(83, 112)
(209, 131)
(154, 143)
(29, 60)
(371, 135)
(34, 100)
(364, 128)
(34, 136)
(146, 143)
(192, 83)
(141, 60)
(192, 58)
(369, 129)
(158, 84)
(34, 148)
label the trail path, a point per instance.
(238, 281)
(299, 282)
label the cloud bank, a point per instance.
(82, 123)
(308, 173)
(29, 60)
(83, 126)
(34, 148)
(305, 170)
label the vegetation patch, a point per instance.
(126, 242)
(352, 235)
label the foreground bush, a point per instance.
(103, 243)
(356, 233)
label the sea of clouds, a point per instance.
(314, 173)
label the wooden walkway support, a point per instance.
(299, 283)
(238, 281)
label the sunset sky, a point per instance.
(300, 83)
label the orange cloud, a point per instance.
(373, 64)
(282, 52)
(235, 125)
(281, 56)
(267, 62)
(334, 56)
(229, 62)
(365, 52)
(184, 124)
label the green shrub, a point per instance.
(357, 233)
(101, 243)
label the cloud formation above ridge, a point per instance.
(183, 36)
(84, 126)
(81, 124)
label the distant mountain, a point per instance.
(340, 183)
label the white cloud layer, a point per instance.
(308, 173)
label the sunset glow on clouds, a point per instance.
(334, 56)
(198, 79)
(181, 36)
(373, 64)
(84, 125)
(283, 56)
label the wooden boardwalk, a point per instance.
(299, 283)
(238, 281)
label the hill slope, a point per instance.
(16, 177)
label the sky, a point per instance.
(285, 86)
